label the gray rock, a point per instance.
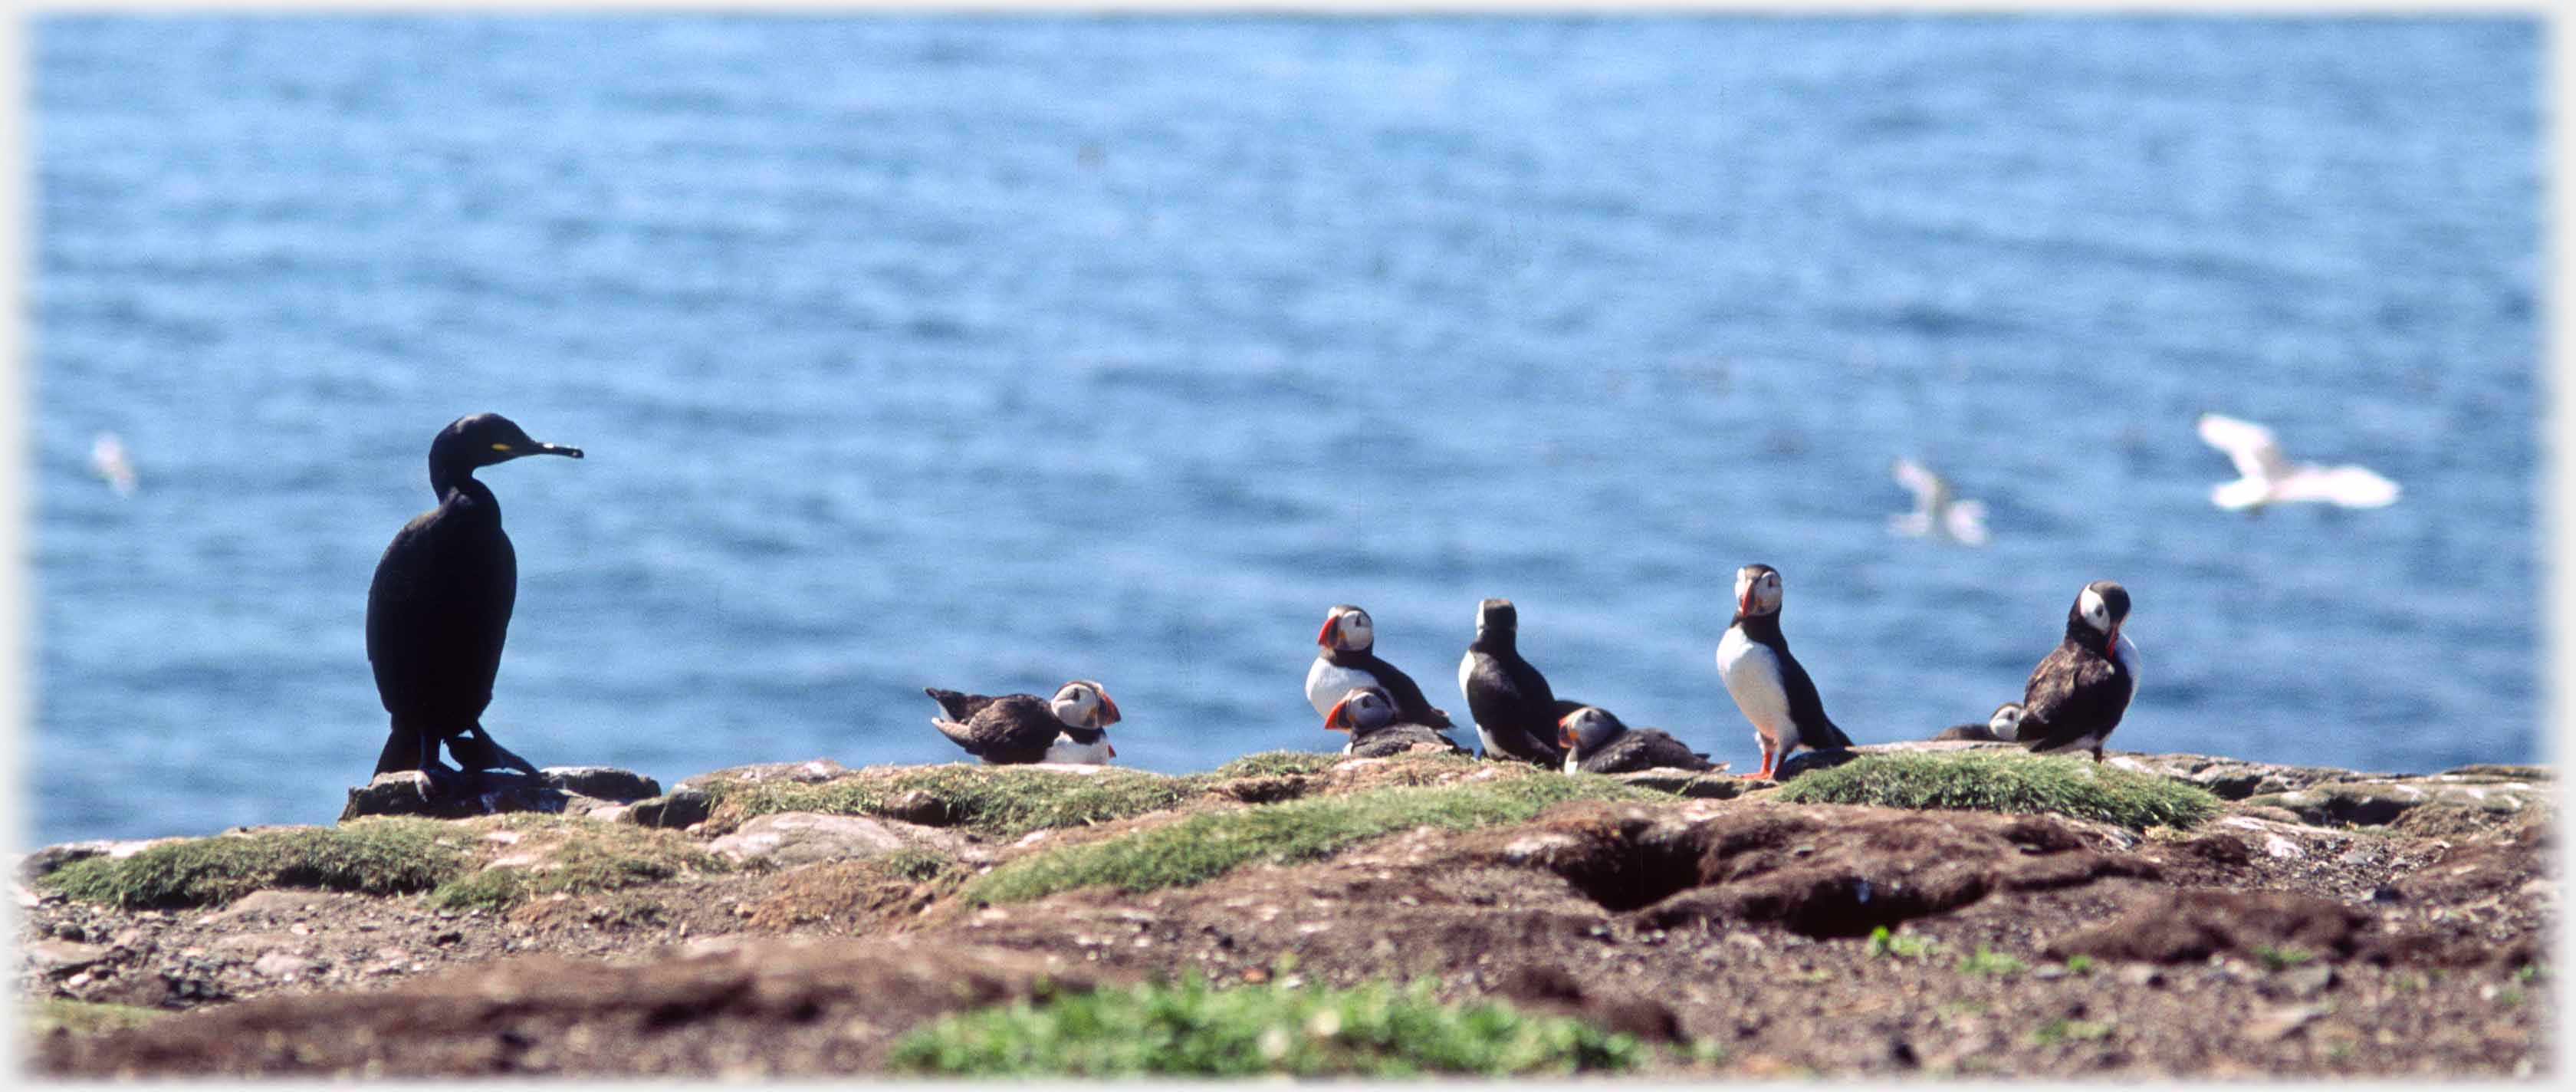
(800, 837)
(491, 792)
(2309, 979)
(1698, 784)
(810, 770)
(680, 809)
(55, 956)
(2379, 801)
(605, 783)
(281, 965)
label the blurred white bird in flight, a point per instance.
(2265, 476)
(107, 457)
(1937, 511)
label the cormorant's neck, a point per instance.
(473, 491)
(1760, 627)
(445, 476)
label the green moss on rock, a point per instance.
(1210, 844)
(2006, 782)
(1191, 1030)
(369, 856)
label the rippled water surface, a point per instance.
(985, 353)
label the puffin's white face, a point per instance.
(1364, 709)
(1084, 705)
(2006, 723)
(1348, 630)
(2097, 613)
(1586, 729)
(1757, 590)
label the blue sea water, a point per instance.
(990, 352)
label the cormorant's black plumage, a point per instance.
(439, 606)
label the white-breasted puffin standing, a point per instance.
(2077, 694)
(1766, 682)
(1348, 663)
(1596, 742)
(1368, 714)
(1514, 709)
(1017, 729)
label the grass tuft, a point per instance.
(1276, 764)
(1883, 943)
(2282, 959)
(997, 801)
(374, 856)
(1208, 845)
(1192, 1030)
(2061, 1029)
(1989, 962)
(71, 1017)
(2023, 783)
(576, 857)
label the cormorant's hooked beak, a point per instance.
(532, 447)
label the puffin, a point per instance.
(2078, 692)
(1766, 681)
(1515, 712)
(2000, 726)
(1346, 664)
(438, 608)
(1596, 742)
(1368, 714)
(1018, 729)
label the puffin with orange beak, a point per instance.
(2079, 692)
(1596, 742)
(1349, 662)
(1766, 682)
(1368, 714)
(1020, 729)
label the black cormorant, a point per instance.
(439, 607)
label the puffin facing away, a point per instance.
(1595, 742)
(2001, 727)
(1019, 729)
(1514, 709)
(1766, 682)
(1368, 714)
(2078, 693)
(1347, 663)
(438, 609)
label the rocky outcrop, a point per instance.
(555, 789)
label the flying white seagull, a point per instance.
(2268, 477)
(108, 460)
(1937, 512)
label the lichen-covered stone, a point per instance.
(802, 837)
(1696, 784)
(810, 770)
(604, 783)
